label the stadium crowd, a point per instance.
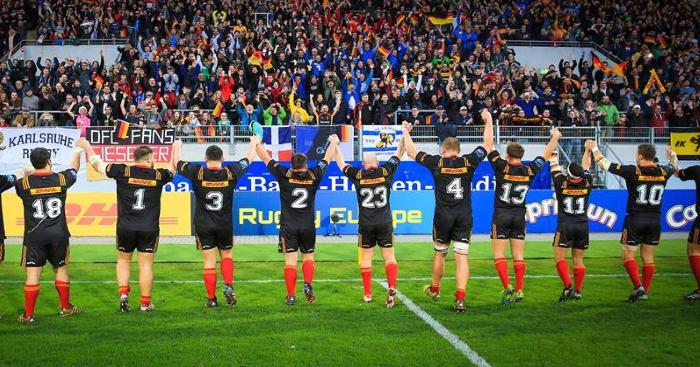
(214, 63)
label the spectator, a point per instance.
(23, 119)
(443, 126)
(609, 116)
(274, 115)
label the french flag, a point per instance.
(278, 140)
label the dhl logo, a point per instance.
(517, 178)
(454, 171)
(215, 184)
(372, 181)
(300, 182)
(574, 192)
(45, 190)
(652, 178)
(142, 182)
(97, 214)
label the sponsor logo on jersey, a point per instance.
(575, 192)
(454, 171)
(45, 190)
(372, 181)
(142, 182)
(301, 182)
(516, 178)
(651, 178)
(214, 184)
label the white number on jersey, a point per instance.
(455, 188)
(521, 190)
(139, 194)
(302, 195)
(655, 192)
(217, 201)
(369, 195)
(52, 205)
(569, 206)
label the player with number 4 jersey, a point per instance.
(452, 222)
(573, 190)
(513, 179)
(139, 189)
(46, 235)
(646, 182)
(214, 184)
(298, 187)
(373, 187)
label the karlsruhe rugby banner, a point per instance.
(117, 145)
(412, 212)
(313, 140)
(17, 143)
(95, 214)
(410, 176)
(383, 141)
(686, 143)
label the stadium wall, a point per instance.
(86, 52)
(542, 56)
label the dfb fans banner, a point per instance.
(17, 143)
(117, 145)
(95, 214)
(313, 140)
(412, 212)
(686, 144)
(383, 141)
(410, 176)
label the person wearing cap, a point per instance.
(30, 101)
(443, 126)
(464, 118)
(636, 119)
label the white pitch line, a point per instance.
(347, 280)
(453, 339)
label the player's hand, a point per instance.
(555, 133)
(485, 115)
(334, 139)
(177, 143)
(590, 144)
(255, 139)
(669, 152)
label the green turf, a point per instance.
(340, 330)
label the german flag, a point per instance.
(400, 19)
(595, 60)
(650, 39)
(435, 20)
(384, 51)
(218, 109)
(414, 19)
(99, 82)
(122, 129)
(619, 69)
(345, 133)
(336, 38)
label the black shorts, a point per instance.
(129, 240)
(37, 251)
(507, 224)
(572, 234)
(641, 229)
(448, 227)
(297, 239)
(694, 235)
(211, 238)
(371, 235)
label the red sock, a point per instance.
(31, 293)
(435, 288)
(563, 270)
(145, 300)
(519, 269)
(579, 275)
(124, 290)
(209, 275)
(647, 276)
(459, 295)
(290, 279)
(63, 289)
(392, 272)
(633, 272)
(695, 265)
(366, 274)
(307, 268)
(227, 270)
(502, 268)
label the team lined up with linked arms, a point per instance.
(139, 189)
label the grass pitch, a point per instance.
(341, 330)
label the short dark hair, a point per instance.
(142, 152)
(575, 169)
(214, 153)
(515, 150)
(299, 161)
(647, 151)
(40, 157)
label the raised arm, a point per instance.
(176, 155)
(407, 141)
(332, 147)
(250, 154)
(586, 160)
(262, 153)
(599, 158)
(74, 161)
(488, 130)
(673, 160)
(339, 160)
(552, 145)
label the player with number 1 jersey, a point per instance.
(298, 187)
(646, 182)
(513, 179)
(139, 189)
(453, 220)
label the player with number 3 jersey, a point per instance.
(298, 187)
(452, 222)
(646, 182)
(139, 189)
(513, 179)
